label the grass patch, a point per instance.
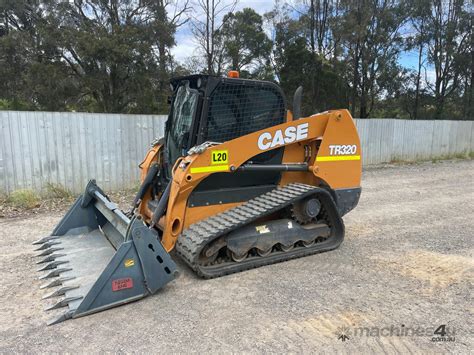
(466, 155)
(57, 191)
(23, 198)
(54, 198)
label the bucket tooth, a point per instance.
(60, 291)
(49, 251)
(44, 239)
(61, 318)
(62, 303)
(52, 265)
(47, 245)
(57, 282)
(49, 258)
(54, 273)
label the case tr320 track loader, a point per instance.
(237, 182)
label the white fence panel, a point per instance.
(67, 149)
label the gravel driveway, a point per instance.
(405, 268)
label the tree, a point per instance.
(114, 55)
(300, 66)
(49, 59)
(206, 26)
(420, 10)
(370, 33)
(245, 44)
(115, 68)
(175, 18)
(31, 75)
(295, 64)
(450, 28)
(320, 18)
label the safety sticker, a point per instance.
(129, 262)
(122, 284)
(338, 158)
(262, 229)
(209, 169)
(219, 157)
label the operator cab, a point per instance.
(207, 108)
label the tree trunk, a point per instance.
(439, 99)
(311, 26)
(355, 79)
(208, 38)
(418, 76)
(470, 103)
(162, 65)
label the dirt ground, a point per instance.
(406, 267)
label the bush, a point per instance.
(58, 191)
(23, 198)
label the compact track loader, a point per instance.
(237, 182)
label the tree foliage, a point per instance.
(115, 55)
(92, 55)
(246, 46)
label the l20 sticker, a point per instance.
(219, 157)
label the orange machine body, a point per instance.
(328, 142)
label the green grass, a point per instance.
(23, 198)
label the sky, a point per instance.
(186, 45)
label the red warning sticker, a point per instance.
(122, 284)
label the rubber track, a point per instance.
(193, 240)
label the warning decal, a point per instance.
(122, 284)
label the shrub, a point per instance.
(23, 198)
(58, 191)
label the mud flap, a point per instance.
(97, 258)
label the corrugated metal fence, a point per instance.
(37, 148)
(386, 140)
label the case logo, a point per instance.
(289, 135)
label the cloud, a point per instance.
(430, 75)
(260, 6)
(185, 45)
